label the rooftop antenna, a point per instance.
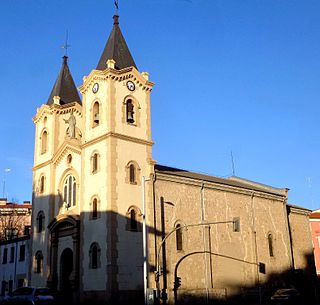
(232, 161)
(116, 3)
(6, 170)
(66, 45)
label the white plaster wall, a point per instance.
(20, 268)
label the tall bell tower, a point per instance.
(117, 152)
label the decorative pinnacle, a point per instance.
(65, 59)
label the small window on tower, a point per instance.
(130, 111)
(96, 114)
(95, 158)
(38, 262)
(134, 218)
(44, 142)
(40, 221)
(42, 184)
(94, 214)
(94, 254)
(132, 173)
(69, 159)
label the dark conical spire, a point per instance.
(64, 86)
(116, 49)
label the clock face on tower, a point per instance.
(130, 85)
(95, 88)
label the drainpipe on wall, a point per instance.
(287, 213)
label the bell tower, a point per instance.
(58, 125)
(117, 152)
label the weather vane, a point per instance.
(66, 45)
(116, 3)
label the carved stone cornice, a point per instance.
(118, 136)
(217, 186)
(57, 109)
(118, 75)
(69, 145)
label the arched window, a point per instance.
(40, 221)
(38, 262)
(70, 191)
(270, 243)
(42, 184)
(95, 208)
(44, 142)
(132, 173)
(94, 255)
(95, 160)
(130, 111)
(96, 114)
(179, 240)
(133, 220)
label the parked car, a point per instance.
(286, 296)
(31, 296)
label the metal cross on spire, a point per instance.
(116, 3)
(66, 45)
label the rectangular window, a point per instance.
(11, 254)
(5, 256)
(22, 253)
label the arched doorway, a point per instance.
(66, 267)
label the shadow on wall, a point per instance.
(304, 280)
(88, 247)
(122, 263)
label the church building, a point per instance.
(95, 185)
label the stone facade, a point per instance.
(215, 261)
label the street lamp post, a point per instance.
(235, 223)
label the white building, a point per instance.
(14, 264)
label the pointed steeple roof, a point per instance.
(116, 49)
(64, 86)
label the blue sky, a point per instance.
(240, 76)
